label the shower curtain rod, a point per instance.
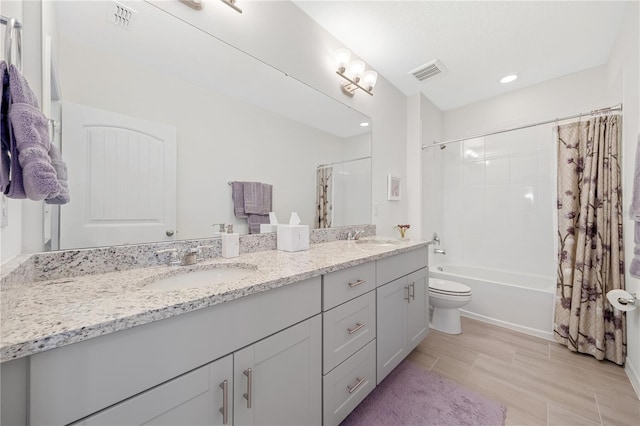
(320, 166)
(540, 123)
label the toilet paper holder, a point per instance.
(633, 300)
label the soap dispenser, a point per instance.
(230, 243)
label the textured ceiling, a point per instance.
(478, 42)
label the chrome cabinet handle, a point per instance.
(225, 402)
(408, 298)
(357, 283)
(359, 383)
(249, 373)
(356, 328)
(413, 291)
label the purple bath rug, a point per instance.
(411, 395)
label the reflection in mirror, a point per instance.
(158, 117)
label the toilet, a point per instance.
(447, 297)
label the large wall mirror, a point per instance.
(158, 116)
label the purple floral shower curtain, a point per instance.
(590, 259)
(324, 189)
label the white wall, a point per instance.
(221, 139)
(624, 86)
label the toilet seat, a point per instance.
(448, 288)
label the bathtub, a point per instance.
(520, 302)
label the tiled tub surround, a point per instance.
(48, 314)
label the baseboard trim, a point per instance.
(634, 377)
(547, 335)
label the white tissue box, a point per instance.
(265, 228)
(293, 237)
(230, 245)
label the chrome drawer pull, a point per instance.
(357, 283)
(356, 328)
(249, 373)
(355, 387)
(413, 291)
(225, 402)
(408, 298)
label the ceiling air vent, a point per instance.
(428, 70)
(121, 15)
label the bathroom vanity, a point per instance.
(302, 340)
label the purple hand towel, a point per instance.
(237, 194)
(254, 222)
(10, 170)
(31, 134)
(61, 172)
(257, 198)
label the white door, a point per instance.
(392, 325)
(195, 398)
(278, 379)
(122, 179)
(418, 308)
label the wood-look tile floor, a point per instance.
(540, 382)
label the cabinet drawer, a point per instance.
(340, 286)
(348, 384)
(394, 267)
(347, 328)
(194, 398)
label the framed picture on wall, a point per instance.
(393, 188)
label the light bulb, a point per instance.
(343, 56)
(508, 78)
(370, 78)
(356, 69)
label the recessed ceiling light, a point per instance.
(509, 78)
(364, 124)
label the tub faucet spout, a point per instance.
(440, 251)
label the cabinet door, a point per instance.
(192, 399)
(418, 308)
(392, 302)
(278, 379)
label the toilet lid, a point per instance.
(437, 285)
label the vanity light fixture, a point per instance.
(232, 5)
(354, 73)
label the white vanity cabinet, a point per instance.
(403, 319)
(274, 381)
(277, 380)
(349, 331)
(402, 302)
(76, 381)
(201, 397)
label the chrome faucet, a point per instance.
(173, 257)
(355, 235)
(190, 257)
(435, 240)
(439, 251)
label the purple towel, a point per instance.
(237, 194)
(257, 198)
(10, 171)
(31, 133)
(634, 212)
(61, 172)
(254, 222)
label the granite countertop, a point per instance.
(44, 315)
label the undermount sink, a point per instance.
(197, 277)
(378, 242)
